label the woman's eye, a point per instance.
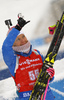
(23, 36)
(18, 39)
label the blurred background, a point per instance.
(41, 13)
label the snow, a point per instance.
(59, 66)
(59, 92)
(32, 10)
(8, 89)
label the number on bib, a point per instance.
(33, 74)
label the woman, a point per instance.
(17, 48)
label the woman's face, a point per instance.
(20, 40)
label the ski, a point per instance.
(43, 76)
(49, 61)
(56, 34)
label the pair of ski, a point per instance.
(40, 87)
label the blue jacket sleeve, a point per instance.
(7, 51)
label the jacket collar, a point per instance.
(24, 54)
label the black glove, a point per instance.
(21, 23)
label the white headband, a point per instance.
(21, 32)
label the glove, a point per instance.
(51, 72)
(21, 23)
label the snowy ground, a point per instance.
(31, 9)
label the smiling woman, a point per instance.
(21, 44)
(20, 40)
(16, 45)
